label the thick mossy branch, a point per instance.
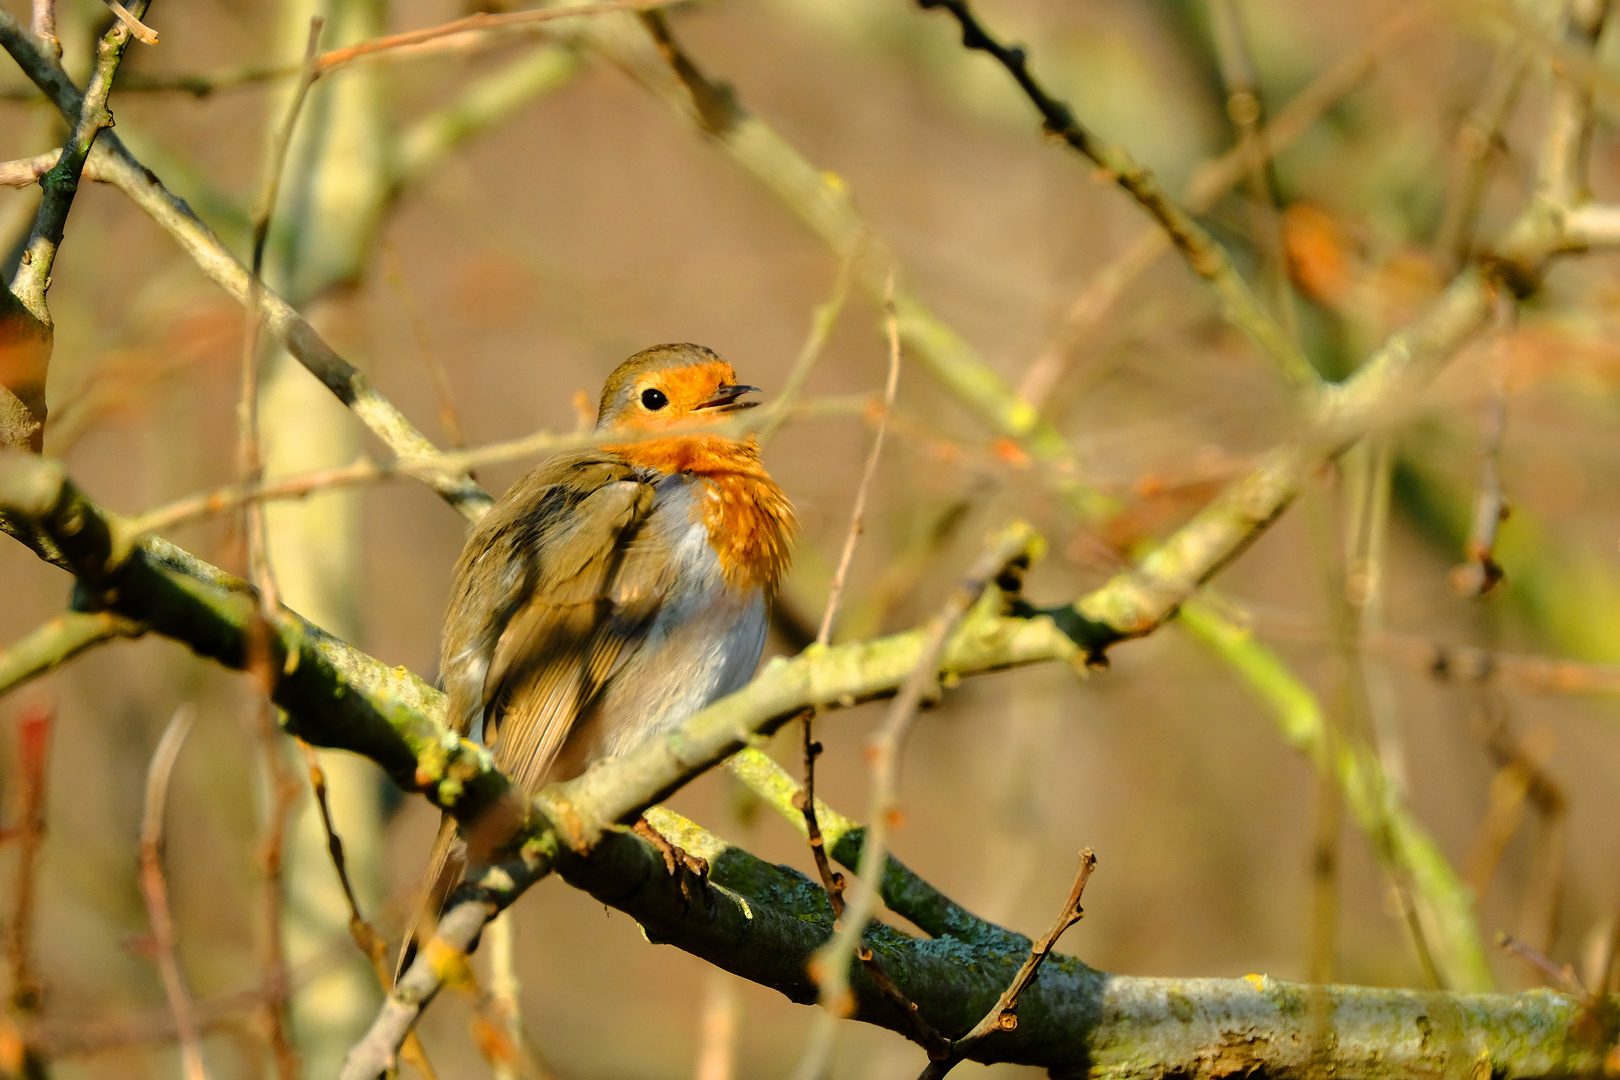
(764, 922)
(333, 695)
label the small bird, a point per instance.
(612, 593)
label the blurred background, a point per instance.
(488, 229)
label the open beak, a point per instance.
(725, 398)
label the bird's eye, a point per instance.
(654, 399)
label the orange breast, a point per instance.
(750, 520)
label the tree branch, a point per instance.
(60, 640)
(61, 183)
(336, 696)
(291, 331)
(1204, 256)
(824, 205)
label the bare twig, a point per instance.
(85, 1037)
(499, 1022)
(1210, 181)
(1003, 1016)
(1203, 254)
(1559, 976)
(155, 890)
(822, 323)
(203, 84)
(44, 26)
(281, 787)
(279, 781)
(1246, 109)
(58, 641)
(137, 29)
(1327, 812)
(282, 791)
(1561, 174)
(857, 516)
(1477, 146)
(370, 943)
(481, 21)
(717, 1043)
(832, 881)
(449, 416)
(1466, 665)
(1479, 571)
(883, 755)
(25, 172)
(33, 772)
(61, 183)
(250, 463)
(229, 497)
(115, 165)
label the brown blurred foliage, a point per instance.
(590, 223)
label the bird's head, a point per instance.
(669, 385)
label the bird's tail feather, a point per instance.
(444, 870)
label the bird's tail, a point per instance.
(444, 870)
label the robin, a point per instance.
(612, 593)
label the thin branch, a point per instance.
(25, 172)
(1441, 905)
(44, 26)
(1563, 977)
(220, 500)
(1444, 662)
(1203, 254)
(1003, 1016)
(1561, 173)
(281, 787)
(717, 1039)
(204, 84)
(766, 922)
(857, 515)
(33, 774)
(831, 881)
(137, 29)
(61, 183)
(1479, 145)
(370, 943)
(1479, 571)
(883, 756)
(823, 203)
(1246, 109)
(250, 465)
(449, 415)
(481, 21)
(822, 323)
(1210, 181)
(115, 165)
(155, 891)
(1595, 225)
(281, 792)
(58, 641)
(84, 1037)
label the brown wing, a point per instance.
(541, 614)
(532, 583)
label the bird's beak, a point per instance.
(725, 398)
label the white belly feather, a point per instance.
(704, 642)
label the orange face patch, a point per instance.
(683, 390)
(749, 521)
